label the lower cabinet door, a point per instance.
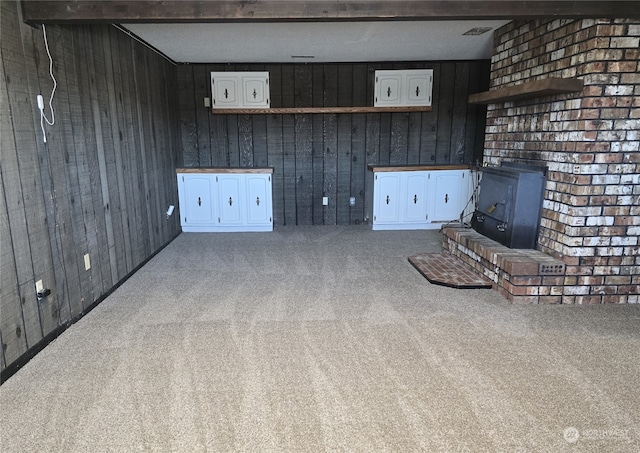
(387, 198)
(446, 192)
(258, 199)
(415, 197)
(230, 194)
(198, 206)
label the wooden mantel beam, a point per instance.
(120, 11)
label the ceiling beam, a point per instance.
(117, 11)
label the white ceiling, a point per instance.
(323, 41)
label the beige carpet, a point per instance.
(324, 339)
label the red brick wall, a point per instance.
(589, 141)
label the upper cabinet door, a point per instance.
(256, 90)
(240, 90)
(388, 89)
(418, 87)
(224, 89)
(398, 88)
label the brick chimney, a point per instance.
(590, 142)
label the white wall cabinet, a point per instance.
(240, 90)
(225, 200)
(402, 88)
(408, 198)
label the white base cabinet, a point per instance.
(419, 198)
(225, 200)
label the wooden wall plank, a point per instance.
(288, 145)
(86, 158)
(86, 223)
(165, 167)
(105, 104)
(330, 144)
(202, 89)
(188, 118)
(303, 77)
(358, 143)
(445, 112)
(343, 175)
(149, 106)
(139, 87)
(117, 175)
(317, 145)
(134, 185)
(428, 130)
(78, 283)
(398, 143)
(459, 117)
(245, 140)
(97, 167)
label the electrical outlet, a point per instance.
(325, 201)
(87, 262)
(39, 286)
(352, 201)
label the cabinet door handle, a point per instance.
(415, 198)
(230, 201)
(257, 201)
(199, 202)
(446, 198)
(387, 199)
(388, 92)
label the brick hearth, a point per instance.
(521, 276)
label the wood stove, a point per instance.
(510, 204)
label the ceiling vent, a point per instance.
(477, 31)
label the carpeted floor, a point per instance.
(324, 339)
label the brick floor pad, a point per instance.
(448, 270)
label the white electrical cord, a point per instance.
(43, 116)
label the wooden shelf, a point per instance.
(306, 110)
(528, 90)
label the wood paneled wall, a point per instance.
(318, 155)
(99, 186)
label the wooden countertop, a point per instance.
(378, 168)
(223, 170)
